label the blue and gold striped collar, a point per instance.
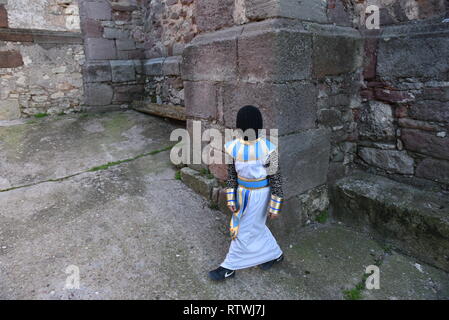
(241, 150)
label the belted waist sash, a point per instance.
(253, 184)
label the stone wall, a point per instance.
(404, 119)
(169, 26)
(391, 11)
(114, 43)
(303, 72)
(40, 70)
(53, 15)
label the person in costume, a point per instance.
(254, 192)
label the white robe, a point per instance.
(254, 244)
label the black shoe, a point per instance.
(269, 264)
(221, 274)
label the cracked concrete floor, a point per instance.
(135, 232)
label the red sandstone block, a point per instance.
(3, 17)
(367, 94)
(220, 171)
(92, 28)
(15, 37)
(393, 96)
(426, 143)
(371, 45)
(10, 59)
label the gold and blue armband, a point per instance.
(230, 197)
(275, 204)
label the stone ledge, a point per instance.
(197, 182)
(40, 36)
(164, 66)
(160, 110)
(413, 29)
(255, 52)
(415, 221)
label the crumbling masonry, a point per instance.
(350, 103)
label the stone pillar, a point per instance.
(279, 64)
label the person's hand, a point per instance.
(273, 216)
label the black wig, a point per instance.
(249, 117)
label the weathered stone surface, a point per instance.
(330, 117)
(56, 147)
(395, 286)
(100, 49)
(263, 56)
(44, 72)
(10, 59)
(433, 169)
(91, 28)
(306, 156)
(426, 143)
(214, 14)
(390, 160)
(336, 54)
(288, 107)
(437, 111)
(201, 99)
(9, 109)
(212, 56)
(172, 66)
(370, 63)
(99, 10)
(123, 70)
(199, 183)
(299, 211)
(127, 44)
(3, 17)
(128, 93)
(392, 96)
(417, 124)
(220, 171)
(97, 71)
(99, 94)
(415, 221)
(429, 58)
(339, 14)
(124, 5)
(15, 35)
(130, 54)
(43, 15)
(114, 33)
(308, 10)
(160, 110)
(376, 121)
(153, 67)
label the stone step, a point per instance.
(412, 220)
(200, 183)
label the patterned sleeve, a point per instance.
(275, 178)
(231, 185)
(231, 182)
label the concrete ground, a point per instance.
(97, 191)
